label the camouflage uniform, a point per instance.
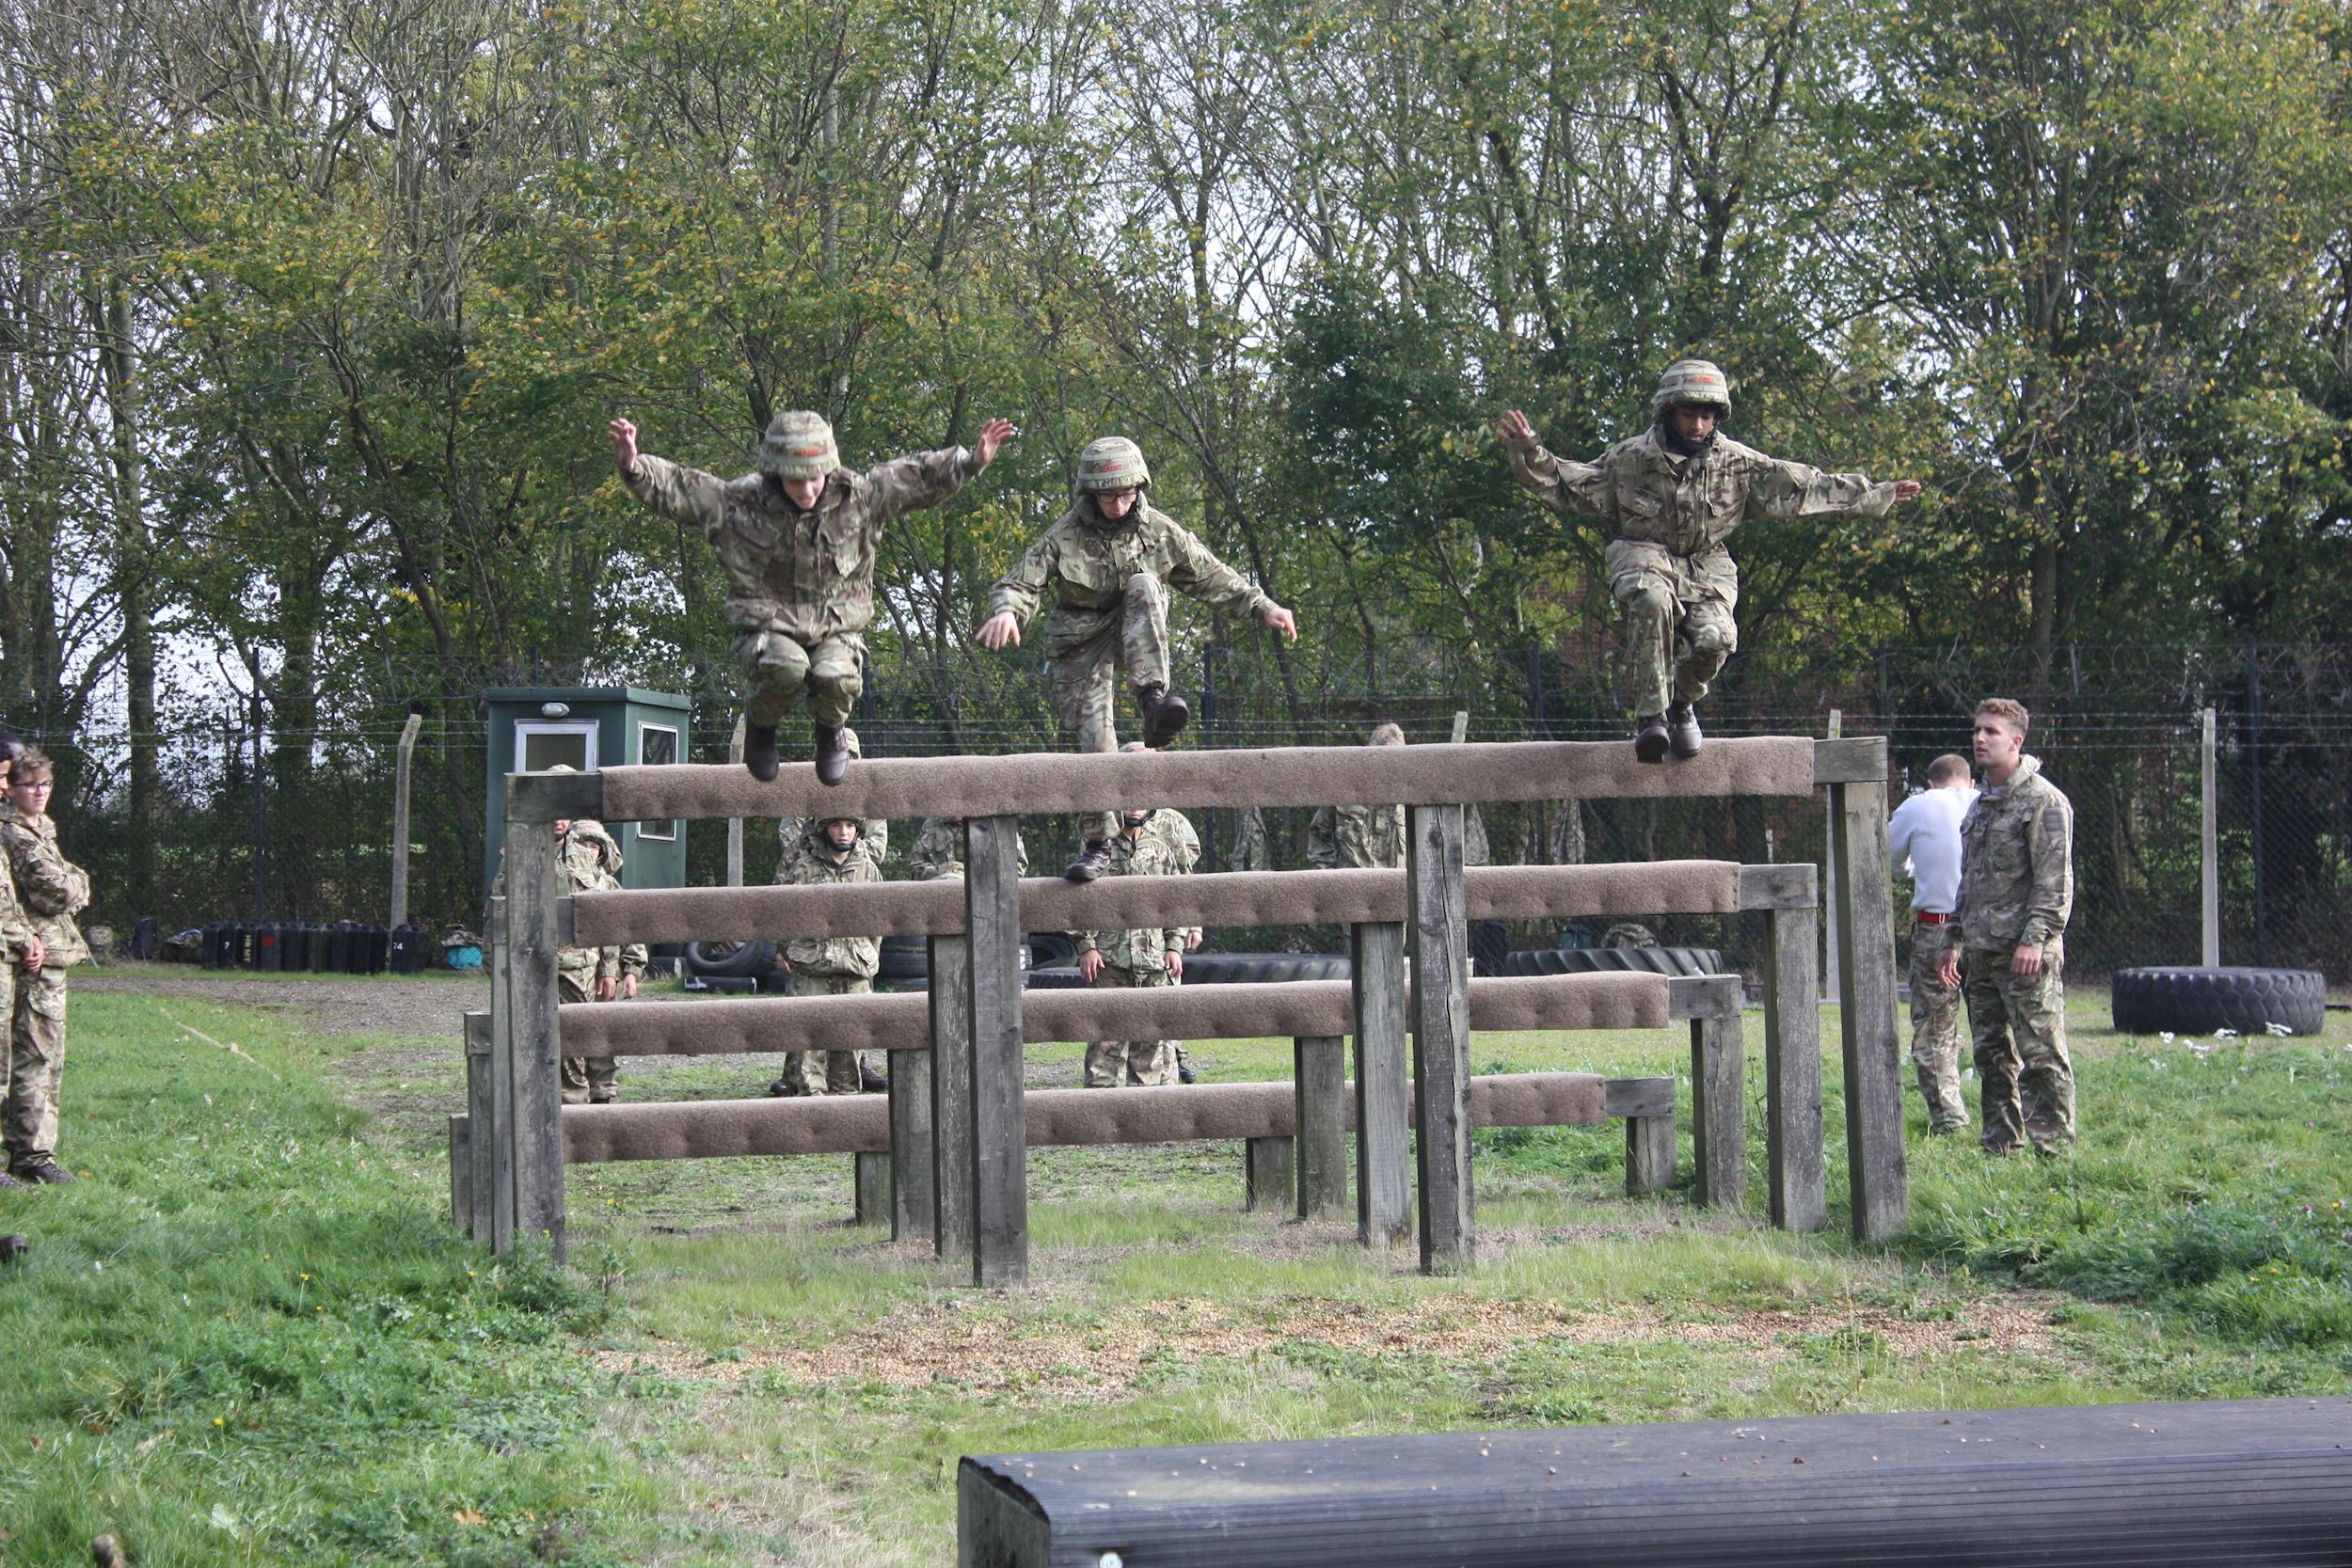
(801, 584)
(828, 966)
(1341, 837)
(1667, 565)
(873, 835)
(1174, 829)
(2016, 889)
(54, 891)
(588, 861)
(1138, 960)
(1110, 583)
(938, 850)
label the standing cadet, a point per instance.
(1109, 562)
(54, 891)
(1141, 959)
(2016, 889)
(796, 540)
(1175, 831)
(1359, 836)
(873, 839)
(830, 966)
(20, 950)
(1673, 494)
(1924, 838)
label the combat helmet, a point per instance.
(1693, 381)
(799, 445)
(1111, 463)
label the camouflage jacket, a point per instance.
(2017, 863)
(938, 850)
(16, 926)
(1156, 850)
(589, 861)
(810, 864)
(52, 889)
(1671, 514)
(1346, 836)
(873, 839)
(1086, 563)
(808, 575)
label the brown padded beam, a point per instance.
(846, 1124)
(1285, 776)
(902, 1021)
(1127, 903)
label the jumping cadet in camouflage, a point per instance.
(1144, 846)
(873, 839)
(1341, 837)
(938, 850)
(21, 947)
(830, 966)
(1108, 564)
(1673, 494)
(2016, 890)
(54, 891)
(797, 543)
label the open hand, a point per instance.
(623, 447)
(1947, 967)
(993, 435)
(1281, 620)
(1089, 964)
(1908, 489)
(629, 988)
(1515, 429)
(1000, 629)
(605, 988)
(1176, 963)
(2026, 960)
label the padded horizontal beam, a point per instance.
(1127, 903)
(859, 1124)
(1279, 776)
(901, 1022)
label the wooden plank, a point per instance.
(460, 1174)
(1319, 1079)
(995, 1528)
(1718, 1111)
(1266, 1170)
(493, 1142)
(1383, 1197)
(1780, 887)
(1860, 759)
(481, 1112)
(1793, 1070)
(1000, 1190)
(1873, 1048)
(1632, 1097)
(951, 1001)
(913, 1192)
(870, 1173)
(533, 1044)
(1703, 996)
(1650, 1154)
(1441, 1013)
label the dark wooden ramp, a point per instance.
(2247, 1481)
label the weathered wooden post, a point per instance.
(473, 1213)
(494, 1138)
(533, 1044)
(1319, 1081)
(1434, 902)
(913, 1197)
(1266, 1172)
(1873, 1049)
(870, 1177)
(1000, 1133)
(1792, 1069)
(1384, 1198)
(400, 819)
(950, 1002)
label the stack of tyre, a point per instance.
(2186, 1000)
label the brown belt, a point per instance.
(1925, 918)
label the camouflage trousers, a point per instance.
(841, 1075)
(781, 668)
(1679, 630)
(36, 1066)
(2019, 1023)
(1119, 1064)
(1935, 1031)
(586, 1079)
(1081, 670)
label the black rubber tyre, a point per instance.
(730, 958)
(1056, 979)
(1214, 969)
(904, 958)
(2197, 1001)
(1051, 950)
(1615, 961)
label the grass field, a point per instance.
(250, 1338)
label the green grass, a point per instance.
(732, 1373)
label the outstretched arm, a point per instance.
(1018, 594)
(1785, 489)
(1197, 571)
(1572, 489)
(673, 489)
(924, 479)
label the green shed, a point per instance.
(534, 727)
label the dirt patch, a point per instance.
(918, 1347)
(423, 1009)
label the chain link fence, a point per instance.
(298, 827)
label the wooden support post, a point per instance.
(734, 824)
(1383, 1197)
(1873, 1048)
(1719, 1110)
(533, 1045)
(913, 1196)
(481, 1121)
(1319, 1081)
(1792, 1069)
(400, 820)
(461, 1173)
(870, 1173)
(1441, 1013)
(494, 1139)
(1000, 1133)
(951, 1095)
(1650, 1154)
(1266, 1167)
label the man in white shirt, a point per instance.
(1924, 839)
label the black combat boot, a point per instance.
(1682, 730)
(1649, 737)
(1093, 862)
(1164, 715)
(832, 756)
(759, 751)
(43, 1171)
(12, 1247)
(784, 1088)
(870, 1082)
